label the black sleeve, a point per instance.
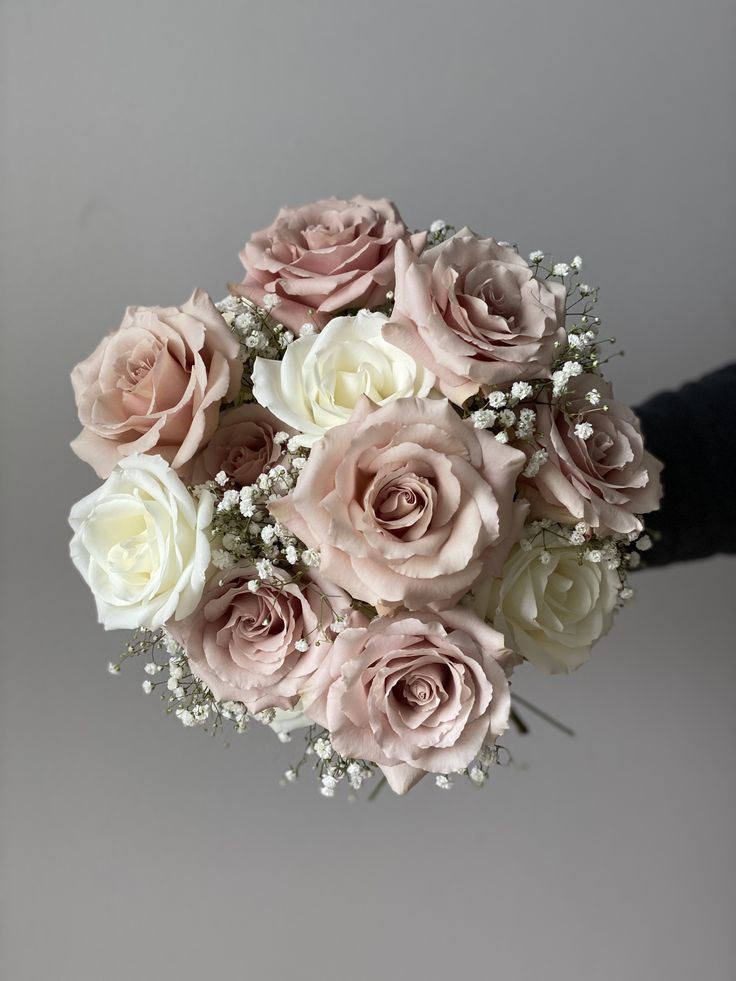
(693, 432)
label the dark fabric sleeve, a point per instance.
(693, 432)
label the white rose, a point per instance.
(322, 376)
(141, 545)
(550, 612)
(287, 720)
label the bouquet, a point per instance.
(355, 495)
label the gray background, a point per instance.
(140, 145)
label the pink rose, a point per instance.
(471, 311)
(413, 693)
(407, 503)
(261, 648)
(324, 258)
(243, 446)
(155, 385)
(602, 475)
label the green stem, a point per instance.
(377, 789)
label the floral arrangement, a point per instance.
(356, 494)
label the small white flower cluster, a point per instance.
(243, 526)
(582, 337)
(260, 335)
(191, 702)
(521, 390)
(498, 415)
(526, 422)
(483, 418)
(479, 770)
(438, 231)
(560, 377)
(579, 534)
(581, 340)
(583, 430)
(559, 269)
(614, 551)
(608, 553)
(331, 768)
(535, 462)
(580, 353)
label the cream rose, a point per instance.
(141, 545)
(322, 376)
(550, 610)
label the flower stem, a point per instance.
(521, 726)
(543, 715)
(377, 789)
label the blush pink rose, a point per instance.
(242, 447)
(324, 258)
(407, 503)
(245, 646)
(606, 479)
(413, 693)
(471, 311)
(156, 384)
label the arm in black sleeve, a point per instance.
(693, 432)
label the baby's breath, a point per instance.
(259, 332)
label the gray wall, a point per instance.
(141, 143)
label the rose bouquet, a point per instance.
(357, 493)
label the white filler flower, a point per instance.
(322, 376)
(549, 606)
(141, 545)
